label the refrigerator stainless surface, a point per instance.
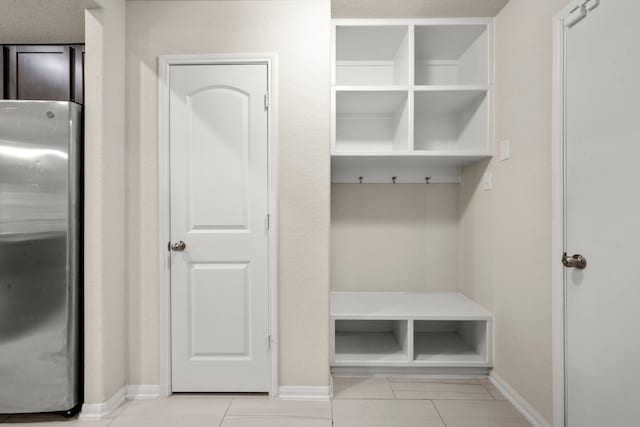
(39, 256)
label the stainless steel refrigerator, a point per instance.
(39, 256)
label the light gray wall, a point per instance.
(508, 230)
(401, 237)
(105, 301)
(298, 31)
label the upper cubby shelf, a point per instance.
(451, 120)
(368, 121)
(411, 98)
(451, 55)
(372, 55)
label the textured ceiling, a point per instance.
(62, 21)
(414, 8)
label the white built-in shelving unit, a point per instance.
(411, 103)
(402, 329)
(411, 98)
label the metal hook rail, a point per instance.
(394, 180)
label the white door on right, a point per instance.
(602, 216)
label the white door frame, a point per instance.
(558, 294)
(165, 62)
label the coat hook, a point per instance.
(427, 179)
(393, 179)
(360, 179)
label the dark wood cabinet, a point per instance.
(2, 82)
(45, 72)
(77, 74)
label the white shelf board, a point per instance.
(374, 347)
(406, 305)
(454, 156)
(405, 88)
(449, 100)
(366, 103)
(444, 347)
(371, 88)
(450, 88)
(408, 167)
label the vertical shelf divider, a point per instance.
(412, 70)
(411, 341)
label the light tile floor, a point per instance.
(358, 402)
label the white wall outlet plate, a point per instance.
(505, 150)
(487, 181)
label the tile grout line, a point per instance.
(490, 394)
(464, 395)
(393, 392)
(303, 417)
(118, 411)
(225, 413)
(331, 407)
(127, 404)
(293, 417)
(444, 423)
(462, 399)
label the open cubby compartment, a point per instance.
(452, 54)
(376, 55)
(451, 120)
(371, 341)
(451, 341)
(371, 121)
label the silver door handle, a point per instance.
(178, 246)
(574, 261)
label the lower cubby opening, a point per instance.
(371, 341)
(385, 332)
(450, 341)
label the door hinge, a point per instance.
(267, 222)
(267, 100)
(580, 12)
(268, 342)
(591, 4)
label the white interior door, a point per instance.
(602, 216)
(219, 202)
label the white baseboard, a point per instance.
(410, 371)
(519, 402)
(143, 391)
(164, 390)
(97, 411)
(305, 392)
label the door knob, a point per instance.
(574, 261)
(178, 246)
